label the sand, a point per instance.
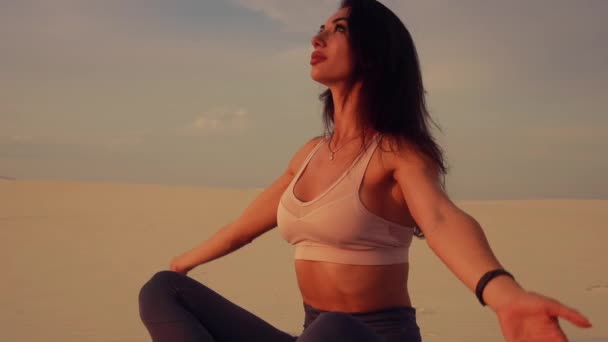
(75, 255)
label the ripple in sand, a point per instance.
(426, 311)
(601, 288)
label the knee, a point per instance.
(164, 276)
(154, 292)
(157, 284)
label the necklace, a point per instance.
(331, 157)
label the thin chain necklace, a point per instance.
(331, 157)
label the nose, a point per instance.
(318, 39)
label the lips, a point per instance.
(317, 57)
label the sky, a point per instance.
(218, 92)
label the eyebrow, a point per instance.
(335, 21)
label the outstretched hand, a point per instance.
(181, 264)
(534, 317)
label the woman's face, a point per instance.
(332, 62)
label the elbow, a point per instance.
(431, 235)
(234, 238)
(432, 229)
(239, 242)
(450, 227)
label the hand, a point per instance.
(533, 317)
(181, 264)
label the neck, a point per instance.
(346, 119)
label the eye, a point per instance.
(340, 27)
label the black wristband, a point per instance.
(485, 279)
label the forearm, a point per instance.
(459, 241)
(219, 244)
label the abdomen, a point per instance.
(352, 288)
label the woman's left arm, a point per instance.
(459, 241)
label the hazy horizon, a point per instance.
(217, 93)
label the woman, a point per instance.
(351, 209)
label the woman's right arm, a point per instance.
(259, 217)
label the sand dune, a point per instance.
(76, 255)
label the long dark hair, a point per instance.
(392, 97)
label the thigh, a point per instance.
(224, 320)
(412, 336)
(334, 326)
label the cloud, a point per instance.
(459, 74)
(294, 59)
(295, 16)
(581, 133)
(25, 145)
(61, 21)
(123, 141)
(107, 32)
(21, 138)
(219, 119)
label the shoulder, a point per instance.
(303, 151)
(402, 156)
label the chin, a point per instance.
(326, 79)
(319, 77)
(320, 81)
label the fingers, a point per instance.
(570, 314)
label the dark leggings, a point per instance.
(175, 307)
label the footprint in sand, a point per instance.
(426, 311)
(601, 288)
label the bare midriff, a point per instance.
(352, 288)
